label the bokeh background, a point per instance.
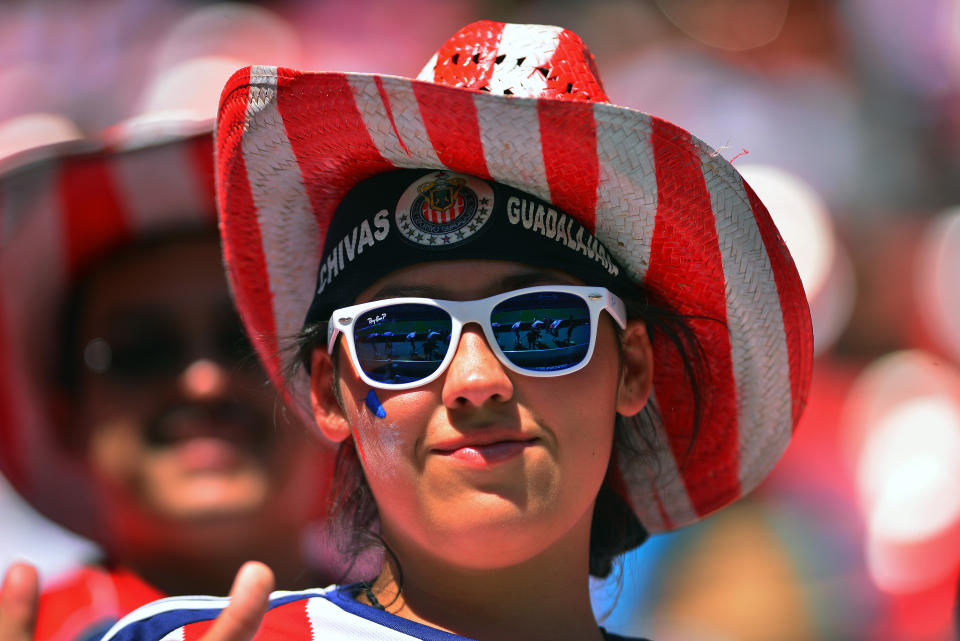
(845, 117)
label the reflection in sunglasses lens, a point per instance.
(401, 343)
(543, 331)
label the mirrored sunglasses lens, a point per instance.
(398, 344)
(543, 331)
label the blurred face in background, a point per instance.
(173, 411)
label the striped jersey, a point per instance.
(328, 614)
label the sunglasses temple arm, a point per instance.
(332, 332)
(617, 309)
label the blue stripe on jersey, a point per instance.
(162, 624)
(157, 626)
(342, 597)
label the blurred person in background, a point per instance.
(131, 409)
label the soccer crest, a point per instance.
(443, 209)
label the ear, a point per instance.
(323, 399)
(636, 376)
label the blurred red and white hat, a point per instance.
(523, 105)
(61, 207)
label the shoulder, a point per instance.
(330, 614)
(85, 602)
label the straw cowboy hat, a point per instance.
(522, 105)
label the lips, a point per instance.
(207, 454)
(484, 449)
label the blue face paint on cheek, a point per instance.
(374, 404)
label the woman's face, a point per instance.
(484, 466)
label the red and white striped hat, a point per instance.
(61, 207)
(522, 105)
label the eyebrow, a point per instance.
(504, 284)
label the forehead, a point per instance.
(463, 280)
(183, 277)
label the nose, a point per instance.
(203, 379)
(475, 375)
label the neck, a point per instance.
(546, 597)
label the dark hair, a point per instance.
(615, 528)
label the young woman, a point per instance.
(496, 473)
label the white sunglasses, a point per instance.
(402, 343)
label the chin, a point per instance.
(211, 500)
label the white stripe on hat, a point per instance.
(536, 44)
(513, 127)
(629, 169)
(746, 269)
(148, 203)
(426, 74)
(406, 115)
(288, 228)
(664, 485)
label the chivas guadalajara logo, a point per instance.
(443, 209)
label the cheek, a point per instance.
(380, 445)
(385, 432)
(115, 451)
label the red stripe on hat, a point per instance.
(11, 457)
(568, 136)
(287, 621)
(686, 266)
(243, 245)
(94, 218)
(469, 57)
(796, 316)
(572, 72)
(319, 142)
(200, 151)
(450, 118)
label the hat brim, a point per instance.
(674, 212)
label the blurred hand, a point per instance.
(249, 595)
(239, 621)
(19, 597)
